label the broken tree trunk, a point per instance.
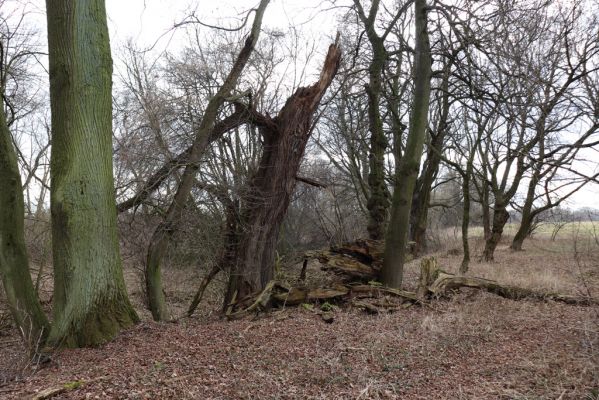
(163, 233)
(270, 190)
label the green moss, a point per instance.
(73, 385)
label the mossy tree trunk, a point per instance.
(378, 200)
(466, 216)
(14, 265)
(90, 299)
(397, 233)
(378, 195)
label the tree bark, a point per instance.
(378, 200)
(397, 233)
(14, 265)
(90, 299)
(378, 196)
(500, 218)
(486, 213)
(527, 216)
(271, 187)
(466, 221)
(424, 184)
(164, 231)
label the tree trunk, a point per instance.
(521, 234)
(164, 231)
(486, 214)
(500, 218)
(527, 211)
(14, 265)
(466, 221)
(378, 201)
(90, 299)
(271, 187)
(424, 184)
(397, 233)
(527, 217)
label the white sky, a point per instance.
(147, 23)
(146, 20)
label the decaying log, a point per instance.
(379, 290)
(281, 295)
(445, 282)
(346, 266)
(361, 259)
(297, 296)
(355, 263)
(366, 251)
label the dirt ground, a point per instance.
(472, 346)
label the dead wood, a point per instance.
(354, 265)
(297, 296)
(271, 186)
(346, 266)
(200, 292)
(444, 283)
(55, 391)
(366, 251)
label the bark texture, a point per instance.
(90, 300)
(14, 265)
(500, 218)
(285, 138)
(397, 233)
(378, 200)
(378, 193)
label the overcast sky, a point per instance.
(146, 20)
(149, 22)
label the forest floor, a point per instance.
(472, 346)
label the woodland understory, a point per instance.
(472, 344)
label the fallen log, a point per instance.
(67, 387)
(301, 295)
(355, 263)
(445, 282)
